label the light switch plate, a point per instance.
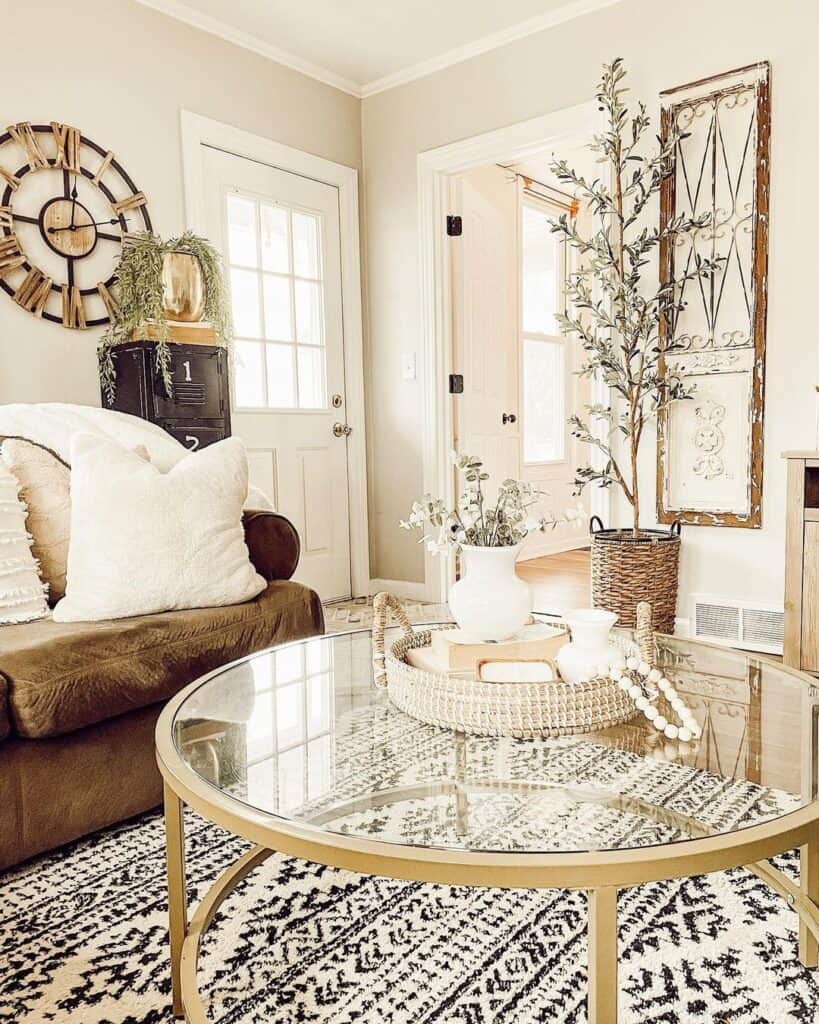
(408, 366)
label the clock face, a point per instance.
(65, 204)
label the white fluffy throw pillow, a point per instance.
(143, 541)
(22, 594)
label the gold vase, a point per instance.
(183, 287)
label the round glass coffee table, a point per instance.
(295, 750)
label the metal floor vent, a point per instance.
(737, 623)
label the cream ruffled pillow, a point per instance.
(143, 541)
(22, 595)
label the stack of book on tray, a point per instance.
(452, 652)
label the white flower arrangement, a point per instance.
(475, 523)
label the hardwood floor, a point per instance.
(559, 582)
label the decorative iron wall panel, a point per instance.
(710, 447)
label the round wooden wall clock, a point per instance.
(65, 204)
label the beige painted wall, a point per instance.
(139, 68)
(122, 73)
(544, 73)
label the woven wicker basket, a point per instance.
(628, 570)
(522, 710)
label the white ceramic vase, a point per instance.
(489, 601)
(590, 651)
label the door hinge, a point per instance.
(456, 383)
(454, 225)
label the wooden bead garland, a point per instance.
(644, 684)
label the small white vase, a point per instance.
(590, 651)
(490, 601)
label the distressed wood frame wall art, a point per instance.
(710, 447)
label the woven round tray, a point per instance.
(522, 710)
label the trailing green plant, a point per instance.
(138, 283)
(625, 327)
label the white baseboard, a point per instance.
(401, 588)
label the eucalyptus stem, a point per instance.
(471, 522)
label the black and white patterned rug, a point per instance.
(83, 939)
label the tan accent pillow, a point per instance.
(45, 489)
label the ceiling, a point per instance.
(365, 46)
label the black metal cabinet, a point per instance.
(198, 411)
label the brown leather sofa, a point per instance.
(79, 701)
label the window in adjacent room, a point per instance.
(542, 347)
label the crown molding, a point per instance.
(530, 27)
(217, 27)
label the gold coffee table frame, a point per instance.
(600, 874)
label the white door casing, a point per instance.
(315, 478)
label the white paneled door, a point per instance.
(279, 236)
(484, 261)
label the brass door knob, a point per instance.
(342, 430)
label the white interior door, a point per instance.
(279, 236)
(485, 321)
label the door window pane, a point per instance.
(291, 778)
(275, 239)
(319, 764)
(277, 323)
(241, 217)
(539, 269)
(244, 300)
(319, 690)
(308, 313)
(275, 263)
(249, 374)
(317, 655)
(305, 245)
(288, 665)
(543, 401)
(311, 378)
(281, 388)
(290, 714)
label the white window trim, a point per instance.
(542, 205)
(198, 131)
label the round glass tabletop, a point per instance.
(301, 734)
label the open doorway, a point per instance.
(519, 379)
(520, 376)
